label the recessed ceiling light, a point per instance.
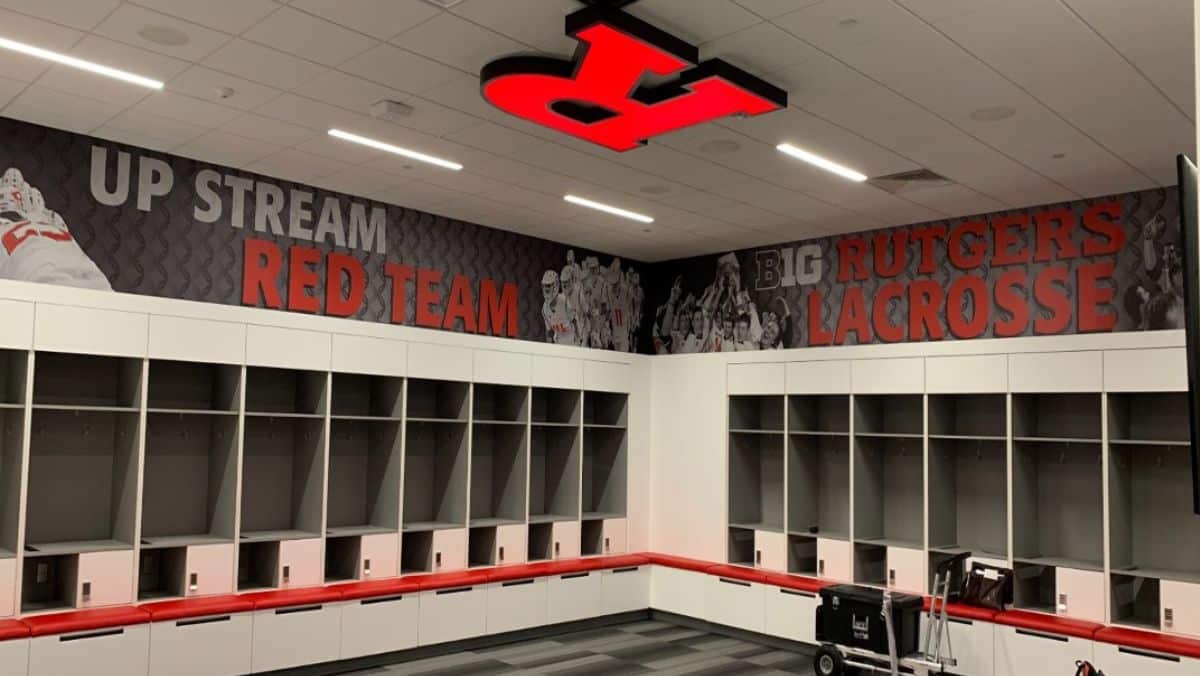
(608, 209)
(655, 189)
(818, 161)
(993, 114)
(397, 150)
(721, 146)
(81, 64)
(164, 35)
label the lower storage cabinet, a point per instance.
(296, 636)
(574, 596)
(625, 589)
(1120, 661)
(790, 614)
(201, 646)
(972, 644)
(734, 603)
(14, 656)
(379, 625)
(1023, 652)
(452, 614)
(122, 651)
(678, 591)
(516, 604)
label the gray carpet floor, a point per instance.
(650, 647)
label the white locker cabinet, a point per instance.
(625, 589)
(16, 331)
(105, 579)
(1056, 372)
(14, 656)
(818, 377)
(296, 636)
(1180, 607)
(603, 376)
(210, 570)
(1080, 594)
(566, 374)
(734, 603)
(502, 368)
(123, 651)
(988, 373)
(756, 379)
(1160, 370)
(906, 569)
(287, 348)
(369, 356)
(1024, 652)
(60, 328)
(565, 536)
(197, 340)
(8, 587)
(452, 614)
(202, 646)
(449, 549)
(575, 596)
(888, 376)
(516, 604)
(833, 559)
(972, 643)
(510, 544)
(379, 625)
(301, 563)
(378, 556)
(770, 550)
(615, 533)
(791, 614)
(439, 362)
(1125, 661)
(678, 591)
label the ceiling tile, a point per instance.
(954, 200)
(354, 181)
(81, 14)
(127, 23)
(145, 129)
(262, 64)
(495, 139)
(356, 94)
(202, 114)
(269, 129)
(381, 19)
(394, 67)
(294, 165)
(304, 35)
(35, 32)
(769, 9)
(454, 41)
(760, 49)
(9, 89)
(539, 23)
(233, 17)
(937, 10)
(324, 145)
(833, 25)
(226, 149)
(211, 85)
(42, 105)
(696, 21)
(116, 55)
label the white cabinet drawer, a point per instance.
(557, 372)
(452, 615)
(105, 652)
(105, 579)
(818, 377)
(574, 596)
(1183, 602)
(833, 559)
(791, 614)
(1081, 592)
(210, 570)
(293, 637)
(603, 376)
(516, 604)
(439, 362)
(1122, 661)
(888, 376)
(770, 550)
(199, 340)
(378, 554)
(967, 374)
(61, 328)
(566, 539)
(503, 368)
(379, 625)
(626, 589)
(206, 646)
(972, 644)
(756, 379)
(1023, 652)
(287, 348)
(449, 549)
(734, 603)
(14, 657)
(907, 569)
(615, 534)
(677, 591)
(370, 356)
(1056, 372)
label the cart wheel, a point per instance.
(829, 662)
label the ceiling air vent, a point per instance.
(908, 181)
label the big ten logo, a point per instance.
(788, 267)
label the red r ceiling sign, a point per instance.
(599, 95)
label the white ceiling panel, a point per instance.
(357, 94)
(295, 165)
(309, 37)
(81, 14)
(538, 23)
(400, 69)
(454, 41)
(953, 199)
(211, 85)
(117, 55)
(938, 10)
(494, 139)
(232, 16)
(35, 32)
(262, 64)
(381, 19)
(760, 49)
(698, 22)
(9, 89)
(152, 131)
(769, 9)
(269, 129)
(354, 181)
(128, 22)
(42, 105)
(185, 109)
(227, 149)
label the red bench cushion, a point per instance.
(13, 629)
(527, 570)
(1150, 640)
(680, 562)
(458, 578)
(283, 598)
(796, 582)
(617, 561)
(1051, 624)
(85, 620)
(162, 611)
(966, 612)
(374, 588)
(737, 573)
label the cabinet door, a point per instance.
(626, 589)
(379, 625)
(105, 579)
(14, 656)
(566, 539)
(734, 603)
(614, 536)
(124, 651)
(294, 637)
(791, 614)
(906, 569)
(1022, 652)
(378, 554)
(516, 604)
(770, 550)
(210, 569)
(300, 563)
(186, 647)
(833, 559)
(677, 591)
(510, 544)
(971, 644)
(1122, 661)
(1180, 607)
(8, 584)
(449, 549)
(452, 615)
(574, 596)
(1080, 594)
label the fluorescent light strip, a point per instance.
(397, 150)
(616, 211)
(73, 62)
(817, 160)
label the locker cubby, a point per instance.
(976, 416)
(604, 473)
(189, 492)
(540, 542)
(13, 374)
(49, 583)
(756, 413)
(498, 474)
(285, 391)
(258, 565)
(1152, 530)
(12, 441)
(802, 555)
(341, 558)
(1067, 417)
(818, 484)
(968, 496)
(870, 564)
(741, 546)
(367, 397)
(819, 414)
(283, 478)
(161, 573)
(1136, 601)
(438, 400)
(365, 458)
(554, 473)
(592, 534)
(78, 381)
(900, 415)
(500, 404)
(756, 481)
(1058, 504)
(1146, 418)
(83, 475)
(937, 558)
(1035, 587)
(889, 491)
(187, 386)
(552, 406)
(481, 547)
(435, 475)
(416, 552)
(605, 409)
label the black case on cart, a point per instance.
(852, 616)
